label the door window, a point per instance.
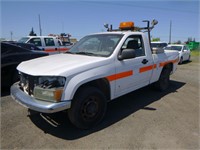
(36, 41)
(49, 41)
(186, 48)
(135, 42)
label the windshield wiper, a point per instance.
(85, 53)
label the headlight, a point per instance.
(49, 88)
(52, 94)
(51, 81)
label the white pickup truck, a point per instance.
(49, 44)
(97, 69)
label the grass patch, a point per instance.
(195, 52)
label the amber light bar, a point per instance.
(126, 25)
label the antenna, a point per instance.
(11, 35)
(170, 31)
(40, 26)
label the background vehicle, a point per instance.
(11, 56)
(184, 52)
(47, 43)
(158, 44)
(24, 45)
(97, 69)
(28, 46)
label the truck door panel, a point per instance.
(140, 66)
(50, 45)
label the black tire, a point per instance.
(163, 83)
(181, 61)
(189, 58)
(88, 107)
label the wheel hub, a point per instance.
(90, 109)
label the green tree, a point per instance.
(155, 39)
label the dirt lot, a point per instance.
(144, 119)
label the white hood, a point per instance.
(60, 64)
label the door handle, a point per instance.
(144, 61)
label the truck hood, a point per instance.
(60, 64)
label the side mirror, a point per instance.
(154, 22)
(106, 25)
(127, 54)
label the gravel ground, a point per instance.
(144, 119)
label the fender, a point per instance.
(75, 81)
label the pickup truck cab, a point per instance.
(97, 69)
(47, 43)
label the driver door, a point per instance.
(136, 72)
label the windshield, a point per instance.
(159, 45)
(23, 40)
(177, 48)
(96, 45)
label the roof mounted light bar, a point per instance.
(124, 26)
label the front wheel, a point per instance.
(88, 107)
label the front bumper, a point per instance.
(41, 106)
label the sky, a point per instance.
(83, 17)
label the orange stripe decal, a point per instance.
(56, 50)
(147, 68)
(167, 62)
(50, 50)
(63, 49)
(120, 75)
(141, 70)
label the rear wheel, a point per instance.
(181, 60)
(88, 107)
(163, 83)
(189, 58)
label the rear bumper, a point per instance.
(41, 106)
